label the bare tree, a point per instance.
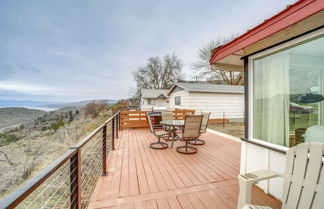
(158, 73)
(6, 159)
(94, 108)
(205, 70)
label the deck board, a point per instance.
(143, 178)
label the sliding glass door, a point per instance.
(288, 90)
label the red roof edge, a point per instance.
(289, 16)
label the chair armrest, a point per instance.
(255, 207)
(246, 182)
(260, 175)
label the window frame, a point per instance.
(281, 47)
(150, 102)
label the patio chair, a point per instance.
(167, 116)
(159, 133)
(303, 179)
(191, 131)
(204, 125)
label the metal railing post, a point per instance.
(75, 178)
(117, 124)
(104, 150)
(113, 134)
(119, 121)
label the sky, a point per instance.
(72, 50)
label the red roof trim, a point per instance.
(291, 15)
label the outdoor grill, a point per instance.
(156, 118)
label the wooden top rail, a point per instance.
(137, 119)
(133, 112)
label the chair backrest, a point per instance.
(304, 177)
(314, 134)
(204, 122)
(167, 115)
(192, 126)
(149, 119)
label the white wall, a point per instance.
(216, 103)
(156, 103)
(254, 157)
(184, 100)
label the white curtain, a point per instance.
(321, 104)
(271, 98)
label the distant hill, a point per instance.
(79, 104)
(11, 116)
(15, 103)
(58, 105)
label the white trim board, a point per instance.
(234, 138)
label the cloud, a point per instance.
(25, 88)
(63, 50)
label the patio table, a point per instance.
(173, 124)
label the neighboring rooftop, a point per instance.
(212, 88)
(154, 93)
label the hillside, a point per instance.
(10, 116)
(27, 150)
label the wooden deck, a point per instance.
(140, 177)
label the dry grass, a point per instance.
(234, 129)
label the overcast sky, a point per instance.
(70, 50)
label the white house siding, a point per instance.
(254, 157)
(156, 103)
(216, 103)
(184, 100)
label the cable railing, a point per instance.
(69, 182)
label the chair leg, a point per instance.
(173, 139)
(245, 192)
(159, 144)
(187, 149)
(197, 142)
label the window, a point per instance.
(177, 100)
(150, 101)
(288, 90)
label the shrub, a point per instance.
(44, 128)
(93, 109)
(6, 138)
(57, 125)
(71, 118)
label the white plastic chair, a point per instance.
(314, 134)
(303, 179)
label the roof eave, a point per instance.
(291, 15)
(218, 92)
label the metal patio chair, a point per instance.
(159, 133)
(190, 132)
(204, 125)
(167, 116)
(303, 179)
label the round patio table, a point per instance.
(173, 124)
